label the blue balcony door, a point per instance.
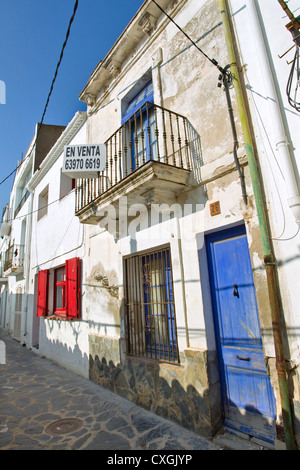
(141, 123)
(248, 400)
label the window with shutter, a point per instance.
(65, 287)
(18, 304)
(42, 297)
(72, 288)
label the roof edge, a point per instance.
(71, 130)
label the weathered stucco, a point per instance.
(184, 82)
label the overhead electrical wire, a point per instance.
(33, 211)
(50, 92)
(293, 92)
(60, 58)
(213, 61)
(293, 96)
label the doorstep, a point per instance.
(229, 439)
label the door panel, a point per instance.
(248, 401)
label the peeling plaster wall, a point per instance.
(184, 73)
(185, 82)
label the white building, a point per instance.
(268, 39)
(16, 232)
(57, 245)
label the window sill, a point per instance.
(62, 318)
(154, 362)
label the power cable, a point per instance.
(294, 28)
(50, 92)
(60, 58)
(35, 210)
(293, 99)
(213, 61)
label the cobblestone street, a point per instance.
(36, 393)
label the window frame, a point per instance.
(19, 300)
(71, 291)
(140, 113)
(59, 311)
(142, 325)
(43, 202)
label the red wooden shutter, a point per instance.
(42, 297)
(72, 287)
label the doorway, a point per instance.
(247, 396)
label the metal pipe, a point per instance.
(227, 81)
(269, 258)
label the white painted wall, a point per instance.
(185, 83)
(19, 235)
(56, 237)
(266, 107)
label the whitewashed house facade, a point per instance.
(16, 231)
(178, 202)
(57, 248)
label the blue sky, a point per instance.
(32, 33)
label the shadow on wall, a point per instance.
(143, 384)
(71, 358)
(66, 343)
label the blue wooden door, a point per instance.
(247, 395)
(141, 115)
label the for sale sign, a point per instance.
(84, 161)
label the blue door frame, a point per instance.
(247, 396)
(141, 114)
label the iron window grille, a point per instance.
(150, 308)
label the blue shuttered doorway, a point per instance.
(247, 395)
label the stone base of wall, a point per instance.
(181, 393)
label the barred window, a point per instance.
(150, 308)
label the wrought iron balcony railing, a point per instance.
(152, 133)
(14, 258)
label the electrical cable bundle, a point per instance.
(292, 89)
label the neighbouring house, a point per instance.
(16, 233)
(57, 248)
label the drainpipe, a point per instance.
(269, 258)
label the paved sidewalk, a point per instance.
(35, 393)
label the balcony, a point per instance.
(147, 160)
(13, 260)
(6, 221)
